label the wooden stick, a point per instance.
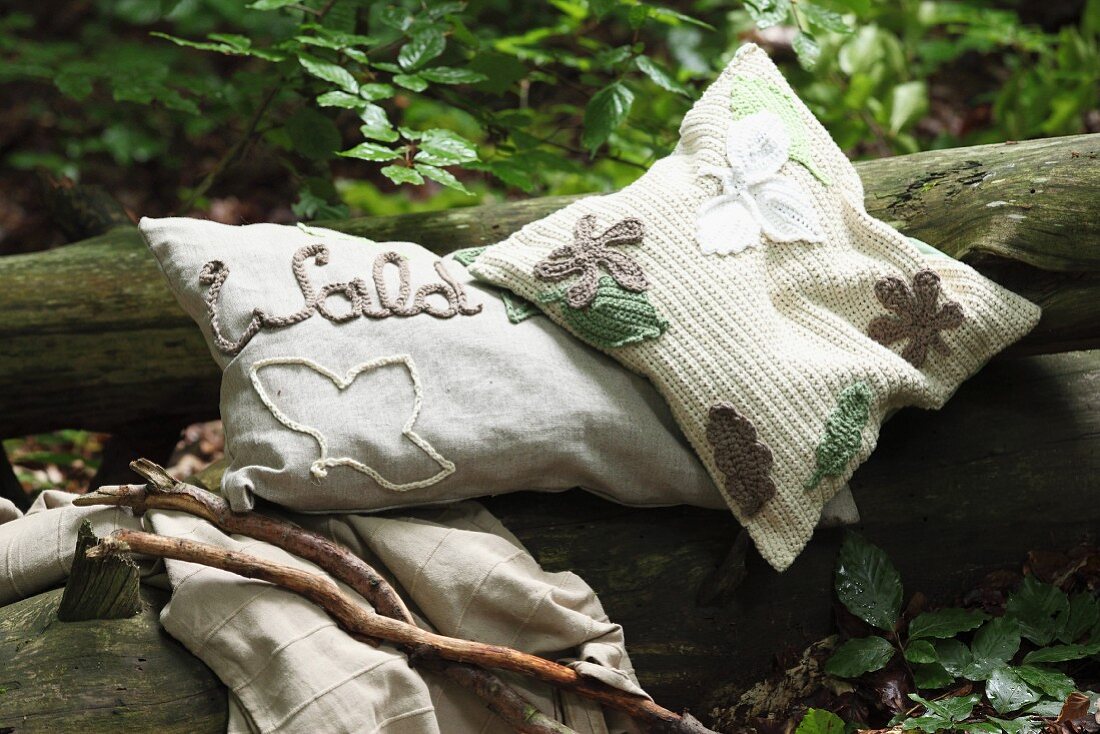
(359, 621)
(165, 493)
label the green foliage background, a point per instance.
(348, 101)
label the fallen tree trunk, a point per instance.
(118, 676)
(93, 338)
(1011, 464)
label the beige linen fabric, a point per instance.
(744, 277)
(355, 412)
(290, 668)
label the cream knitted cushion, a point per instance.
(744, 277)
(364, 376)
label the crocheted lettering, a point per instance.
(319, 468)
(843, 433)
(755, 199)
(589, 253)
(917, 316)
(741, 457)
(354, 292)
(751, 95)
(613, 318)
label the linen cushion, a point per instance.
(362, 376)
(744, 277)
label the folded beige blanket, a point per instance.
(287, 665)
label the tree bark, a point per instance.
(102, 677)
(93, 338)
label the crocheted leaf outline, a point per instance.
(743, 459)
(917, 316)
(843, 433)
(319, 468)
(614, 318)
(518, 309)
(751, 95)
(466, 257)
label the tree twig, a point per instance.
(423, 645)
(165, 493)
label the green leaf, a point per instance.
(466, 256)
(1053, 683)
(376, 125)
(415, 82)
(660, 76)
(859, 656)
(371, 152)
(270, 4)
(920, 651)
(908, 103)
(1058, 654)
(954, 656)
(931, 676)
(1082, 615)
(807, 48)
(843, 433)
(72, 84)
(375, 92)
(867, 583)
(517, 309)
(443, 177)
(930, 723)
(945, 623)
(819, 721)
(1035, 605)
(329, 72)
(607, 109)
(452, 75)
(402, 175)
(422, 47)
(1006, 691)
(956, 708)
(993, 646)
(312, 134)
(616, 317)
(445, 148)
(340, 99)
(824, 19)
(767, 13)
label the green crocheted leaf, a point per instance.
(843, 433)
(750, 96)
(518, 309)
(467, 256)
(615, 317)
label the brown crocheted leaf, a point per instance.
(917, 316)
(744, 461)
(591, 252)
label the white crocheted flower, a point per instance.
(755, 200)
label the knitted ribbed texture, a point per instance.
(765, 274)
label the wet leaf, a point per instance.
(945, 623)
(1007, 691)
(1035, 606)
(867, 583)
(859, 656)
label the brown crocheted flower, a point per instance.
(917, 316)
(590, 252)
(741, 457)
